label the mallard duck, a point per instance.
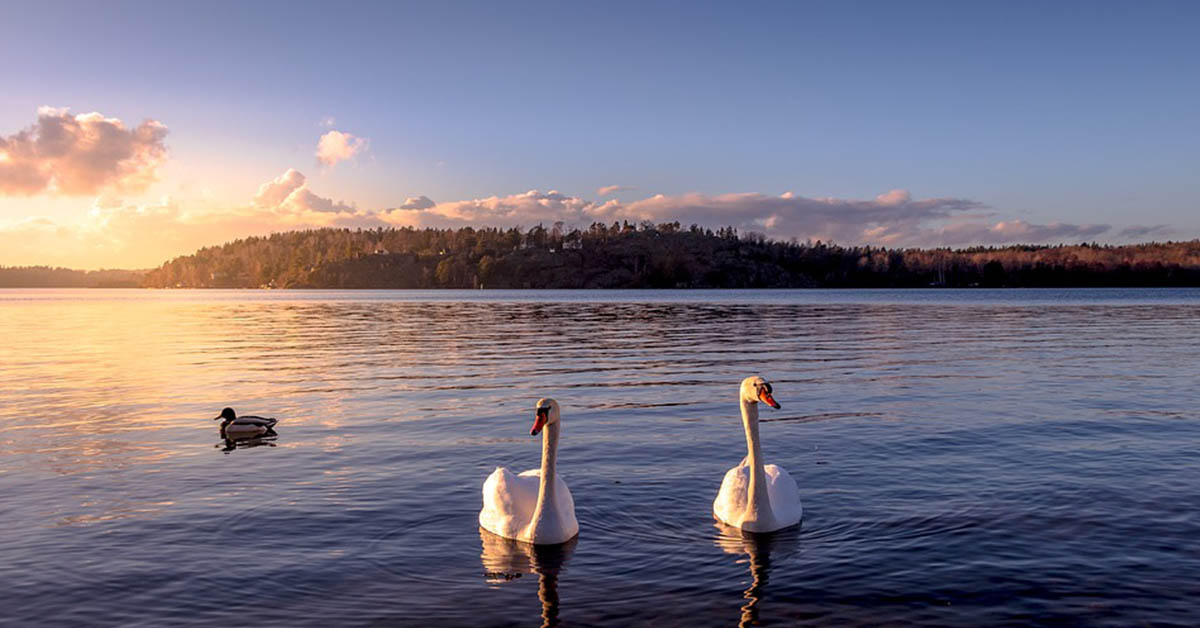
(234, 426)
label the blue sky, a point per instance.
(1042, 117)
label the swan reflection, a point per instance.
(505, 560)
(762, 549)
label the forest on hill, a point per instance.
(47, 277)
(624, 255)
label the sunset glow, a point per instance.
(566, 313)
(91, 177)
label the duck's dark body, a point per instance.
(234, 426)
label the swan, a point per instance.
(755, 497)
(234, 426)
(535, 506)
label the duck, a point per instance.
(534, 506)
(249, 426)
(757, 497)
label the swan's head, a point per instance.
(546, 414)
(227, 414)
(756, 389)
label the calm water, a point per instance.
(965, 457)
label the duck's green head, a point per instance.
(228, 414)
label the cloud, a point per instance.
(113, 234)
(1012, 231)
(525, 209)
(81, 154)
(1142, 231)
(612, 189)
(335, 146)
(417, 202)
(274, 193)
(289, 192)
(119, 233)
(889, 218)
(893, 218)
(890, 198)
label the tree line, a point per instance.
(48, 277)
(647, 255)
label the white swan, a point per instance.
(535, 506)
(755, 497)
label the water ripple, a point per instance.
(964, 457)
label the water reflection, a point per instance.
(1080, 418)
(230, 444)
(762, 550)
(505, 560)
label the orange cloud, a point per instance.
(335, 146)
(121, 234)
(117, 233)
(893, 218)
(289, 192)
(417, 202)
(612, 189)
(80, 154)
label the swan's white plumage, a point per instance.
(776, 503)
(509, 501)
(535, 506)
(730, 506)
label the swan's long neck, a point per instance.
(546, 489)
(759, 504)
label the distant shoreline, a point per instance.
(625, 257)
(810, 289)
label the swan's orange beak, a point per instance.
(539, 421)
(765, 397)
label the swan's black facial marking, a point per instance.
(765, 395)
(542, 415)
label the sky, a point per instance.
(134, 132)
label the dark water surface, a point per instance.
(964, 457)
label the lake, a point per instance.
(965, 458)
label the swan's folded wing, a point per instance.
(784, 495)
(527, 485)
(730, 504)
(508, 501)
